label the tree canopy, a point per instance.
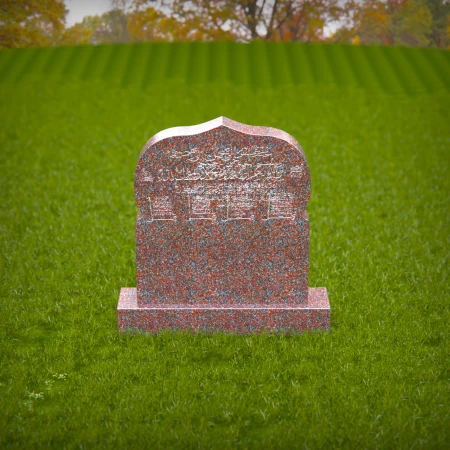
(395, 22)
(39, 23)
(31, 23)
(245, 20)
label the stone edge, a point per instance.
(204, 127)
(240, 320)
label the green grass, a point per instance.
(256, 65)
(380, 244)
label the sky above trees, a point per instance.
(79, 9)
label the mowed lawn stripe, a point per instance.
(389, 77)
(373, 76)
(96, 68)
(58, 66)
(15, 65)
(218, 62)
(35, 64)
(239, 64)
(322, 66)
(280, 69)
(299, 61)
(198, 63)
(407, 75)
(6, 56)
(259, 64)
(136, 65)
(178, 61)
(340, 65)
(117, 67)
(425, 71)
(158, 64)
(440, 63)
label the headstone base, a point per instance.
(238, 320)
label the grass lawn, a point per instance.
(379, 215)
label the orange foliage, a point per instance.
(31, 23)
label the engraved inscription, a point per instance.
(296, 171)
(245, 179)
(240, 202)
(231, 163)
(219, 171)
(223, 154)
(200, 208)
(161, 208)
(280, 206)
(199, 198)
(146, 176)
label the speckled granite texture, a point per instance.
(222, 233)
(240, 320)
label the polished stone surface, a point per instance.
(222, 231)
(242, 320)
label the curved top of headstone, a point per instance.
(221, 122)
(223, 151)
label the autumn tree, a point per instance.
(108, 28)
(373, 23)
(439, 34)
(306, 20)
(411, 23)
(148, 25)
(151, 24)
(394, 22)
(31, 23)
(243, 20)
(26, 23)
(76, 35)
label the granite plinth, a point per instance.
(240, 320)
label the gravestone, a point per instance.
(222, 233)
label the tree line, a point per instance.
(41, 23)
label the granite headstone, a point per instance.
(222, 233)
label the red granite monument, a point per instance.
(222, 233)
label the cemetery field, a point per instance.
(379, 214)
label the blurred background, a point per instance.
(43, 23)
